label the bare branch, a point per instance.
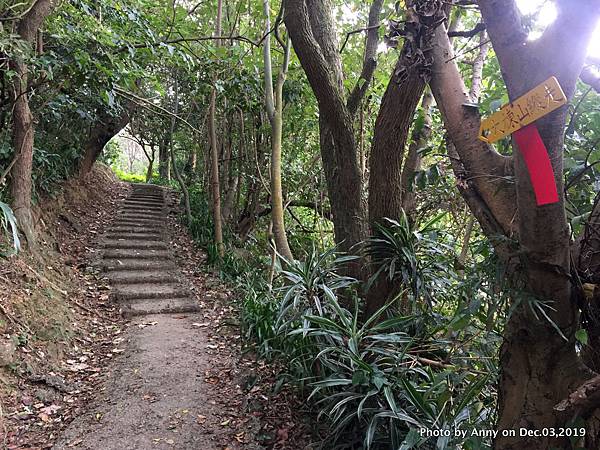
(470, 33)
(358, 30)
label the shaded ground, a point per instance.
(174, 380)
(159, 393)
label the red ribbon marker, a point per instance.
(518, 118)
(538, 163)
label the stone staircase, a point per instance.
(139, 264)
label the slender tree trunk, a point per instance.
(420, 137)
(164, 160)
(214, 153)
(180, 180)
(274, 107)
(229, 173)
(149, 170)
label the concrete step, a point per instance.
(141, 215)
(134, 236)
(137, 254)
(156, 224)
(121, 265)
(135, 244)
(142, 307)
(141, 276)
(134, 231)
(146, 197)
(127, 292)
(142, 208)
(142, 201)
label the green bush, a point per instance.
(129, 177)
(375, 384)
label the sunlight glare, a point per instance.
(546, 14)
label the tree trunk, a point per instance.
(387, 180)
(214, 154)
(164, 160)
(180, 180)
(23, 137)
(390, 136)
(150, 170)
(23, 129)
(101, 133)
(419, 139)
(539, 368)
(311, 28)
(274, 107)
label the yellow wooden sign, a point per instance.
(541, 100)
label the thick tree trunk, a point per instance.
(389, 171)
(344, 180)
(23, 129)
(539, 365)
(101, 133)
(23, 140)
(313, 35)
(390, 137)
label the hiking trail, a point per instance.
(156, 395)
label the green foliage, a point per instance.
(130, 177)
(373, 383)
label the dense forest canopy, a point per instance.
(329, 160)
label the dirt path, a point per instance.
(160, 393)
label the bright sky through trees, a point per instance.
(546, 13)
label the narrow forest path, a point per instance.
(161, 391)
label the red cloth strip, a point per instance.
(536, 158)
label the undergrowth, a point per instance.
(378, 383)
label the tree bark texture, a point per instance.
(214, 154)
(23, 126)
(274, 108)
(101, 132)
(539, 368)
(314, 37)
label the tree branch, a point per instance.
(583, 400)
(370, 58)
(509, 37)
(32, 20)
(328, 91)
(358, 30)
(462, 123)
(193, 39)
(590, 77)
(468, 34)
